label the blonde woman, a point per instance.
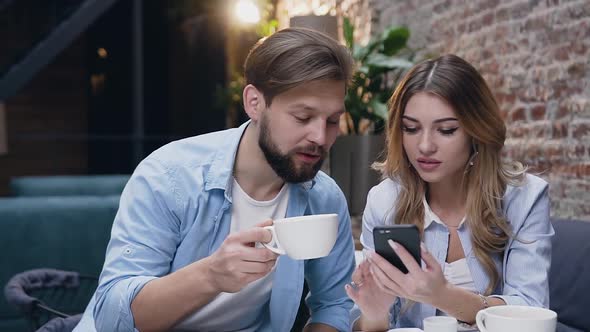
(485, 229)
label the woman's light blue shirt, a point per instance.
(524, 265)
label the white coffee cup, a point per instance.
(440, 324)
(511, 318)
(304, 237)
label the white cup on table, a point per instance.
(513, 318)
(440, 324)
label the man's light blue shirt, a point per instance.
(523, 267)
(176, 210)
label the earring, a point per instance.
(471, 160)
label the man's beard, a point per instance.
(283, 164)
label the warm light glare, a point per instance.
(102, 53)
(247, 11)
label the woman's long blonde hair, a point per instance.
(484, 183)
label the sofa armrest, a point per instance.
(68, 185)
(66, 233)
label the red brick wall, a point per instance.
(535, 55)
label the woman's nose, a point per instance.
(426, 144)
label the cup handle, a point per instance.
(274, 244)
(480, 320)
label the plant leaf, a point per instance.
(395, 39)
(387, 62)
(379, 108)
(348, 31)
(358, 52)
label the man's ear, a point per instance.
(253, 102)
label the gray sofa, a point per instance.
(68, 185)
(65, 233)
(569, 277)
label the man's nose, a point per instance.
(317, 133)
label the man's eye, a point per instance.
(448, 132)
(409, 130)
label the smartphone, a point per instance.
(407, 236)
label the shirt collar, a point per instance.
(430, 216)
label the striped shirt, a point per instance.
(524, 265)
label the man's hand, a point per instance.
(237, 262)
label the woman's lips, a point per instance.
(428, 164)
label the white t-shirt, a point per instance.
(241, 311)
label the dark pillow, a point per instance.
(569, 276)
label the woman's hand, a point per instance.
(373, 302)
(424, 285)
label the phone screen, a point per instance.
(407, 236)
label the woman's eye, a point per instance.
(301, 120)
(409, 130)
(448, 132)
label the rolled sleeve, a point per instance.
(337, 317)
(528, 258)
(143, 243)
(113, 313)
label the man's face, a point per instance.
(300, 126)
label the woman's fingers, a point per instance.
(405, 256)
(352, 292)
(427, 257)
(384, 281)
(357, 275)
(393, 272)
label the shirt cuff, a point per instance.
(338, 318)
(113, 311)
(511, 299)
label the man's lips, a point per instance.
(308, 157)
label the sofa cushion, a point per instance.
(68, 185)
(66, 233)
(569, 277)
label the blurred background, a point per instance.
(92, 87)
(88, 88)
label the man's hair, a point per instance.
(295, 56)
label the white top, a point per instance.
(241, 311)
(457, 272)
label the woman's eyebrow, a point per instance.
(409, 118)
(445, 120)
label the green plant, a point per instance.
(379, 66)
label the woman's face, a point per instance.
(433, 139)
